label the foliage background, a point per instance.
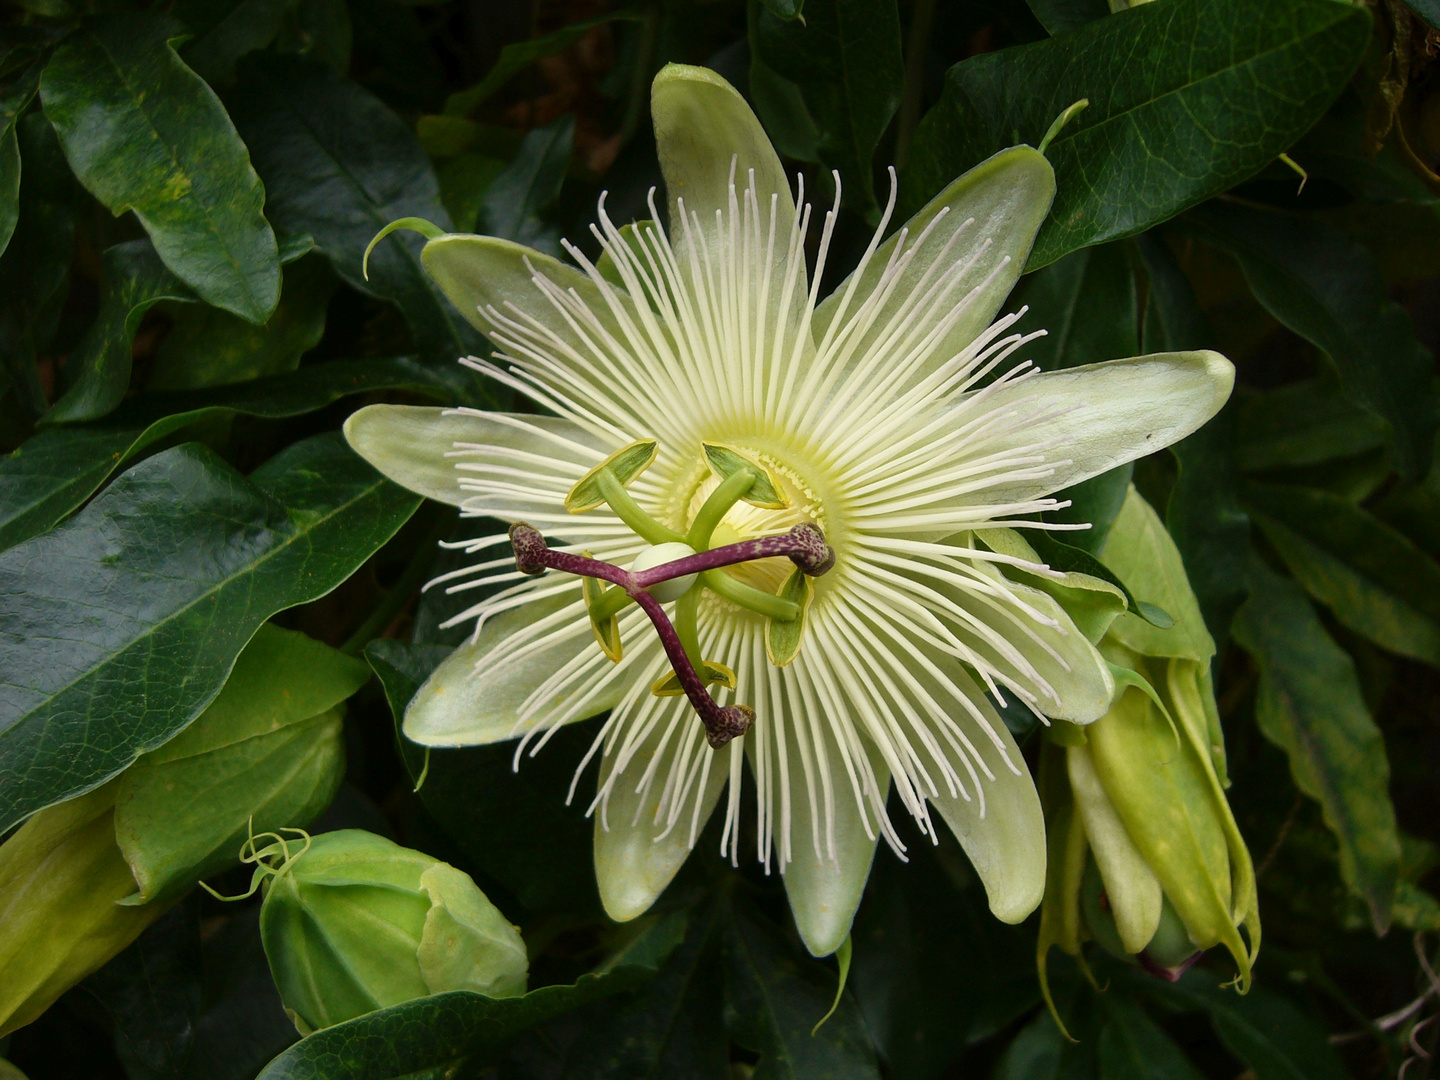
(186, 192)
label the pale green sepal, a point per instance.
(1008, 196)
(624, 464)
(701, 124)
(824, 892)
(1141, 552)
(1092, 602)
(467, 944)
(415, 446)
(1006, 842)
(1097, 417)
(479, 272)
(633, 862)
(469, 702)
(1131, 886)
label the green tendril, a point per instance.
(262, 858)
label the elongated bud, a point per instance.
(353, 922)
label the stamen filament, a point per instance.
(730, 491)
(749, 597)
(631, 512)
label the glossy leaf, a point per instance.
(1304, 423)
(225, 30)
(514, 199)
(209, 347)
(144, 133)
(112, 637)
(133, 280)
(1310, 705)
(1328, 290)
(1375, 580)
(517, 56)
(1134, 1047)
(1087, 304)
(844, 55)
(340, 166)
(1058, 16)
(1162, 131)
(435, 1035)
(58, 468)
(12, 103)
(36, 265)
(774, 995)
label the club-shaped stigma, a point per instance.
(804, 545)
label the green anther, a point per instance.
(606, 627)
(624, 465)
(783, 636)
(711, 672)
(750, 598)
(632, 514)
(730, 491)
(766, 492)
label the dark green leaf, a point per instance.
(1058, 16)
(58, 468)
(12, 103)
(516, 57)
(844, 55)
(1204, 515)
(36, 265)
(514, 199)
(1310, 705)
(210, 347)
(1328, 290)
(1304, 423)
(226, 30)
(133, 280)
(1375, 580)
(1133, 1047)
(667, 1028)
(1414, 509)
(774, 996)
(144, 133)
(340, 166)
(464, 179)
(1094, 502)
(1163, 130)
(1429, 10)
(1262, 1029)
(1087, 303)
(118, 628)
(784, 9)
(544, 856)
(433, 1036)
(929, 987)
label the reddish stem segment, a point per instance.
(804, 545)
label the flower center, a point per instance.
(726, 531)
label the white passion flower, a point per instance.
(739, 492)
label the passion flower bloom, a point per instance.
(698, 397)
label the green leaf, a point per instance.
(544, 855)
(1163, 130)
(210, 347)
(266, 754)
(1429, 10)
(784, 9)
(517, 56)
(1328, 290)
(58, 468)
(844, 55)
(1310, 705)
(773, 997)
(1134, 1047)
(36, 265)
(144, 133)
(118, 628)
(12, 104)
(433, 1036)
(514, 199)
(1375, 580)
(340, 166)
(464, 180)
(1270, 1035)
(1414, 509)
(1094, 502)
(225, 30)
(1058, 16)
(1204, 516)
(1304, 423)
(133, 280)
(1087, 304)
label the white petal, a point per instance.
(636, 856)
(1089, 420)
(472, 699)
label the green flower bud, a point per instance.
(353, 923)
(1145, 855)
